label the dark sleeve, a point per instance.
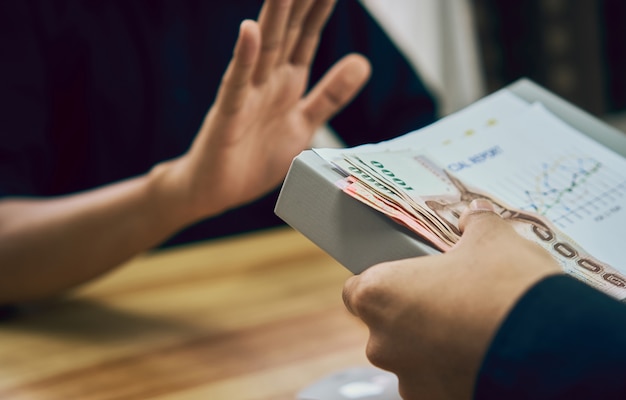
(23, 116)
(395, 100)
(563, 340)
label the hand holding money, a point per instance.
(415, 192)
(431, 318)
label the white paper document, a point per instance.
(516, 153)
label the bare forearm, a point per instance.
(261, 119)
(49, 245)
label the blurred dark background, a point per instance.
(574, 48)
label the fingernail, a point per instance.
(481, 205)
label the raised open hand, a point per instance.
(262, 118)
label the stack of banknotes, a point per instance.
(428, 200)
(554, 185)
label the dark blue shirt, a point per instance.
(563, 340)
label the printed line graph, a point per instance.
(547, 167)
(567, 189)
(558, 182)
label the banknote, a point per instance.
(400, 215)
(388, 191)
(411, 189)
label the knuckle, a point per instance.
(377, 354)
(269, 46)
(374, 353)
(354, 298)
(334, 97)
(368, 292)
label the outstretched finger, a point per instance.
(336, 89)
(273, 23)
(306, 44)
(297, 18)
(237, 78)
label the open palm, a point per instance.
(261, 118)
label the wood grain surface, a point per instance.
(257, 316)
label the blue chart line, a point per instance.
(571, 188)
(557, 180)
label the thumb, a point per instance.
(480, 218)
(336, 89)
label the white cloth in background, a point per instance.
(439, 39)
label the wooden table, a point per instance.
(257, 316)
